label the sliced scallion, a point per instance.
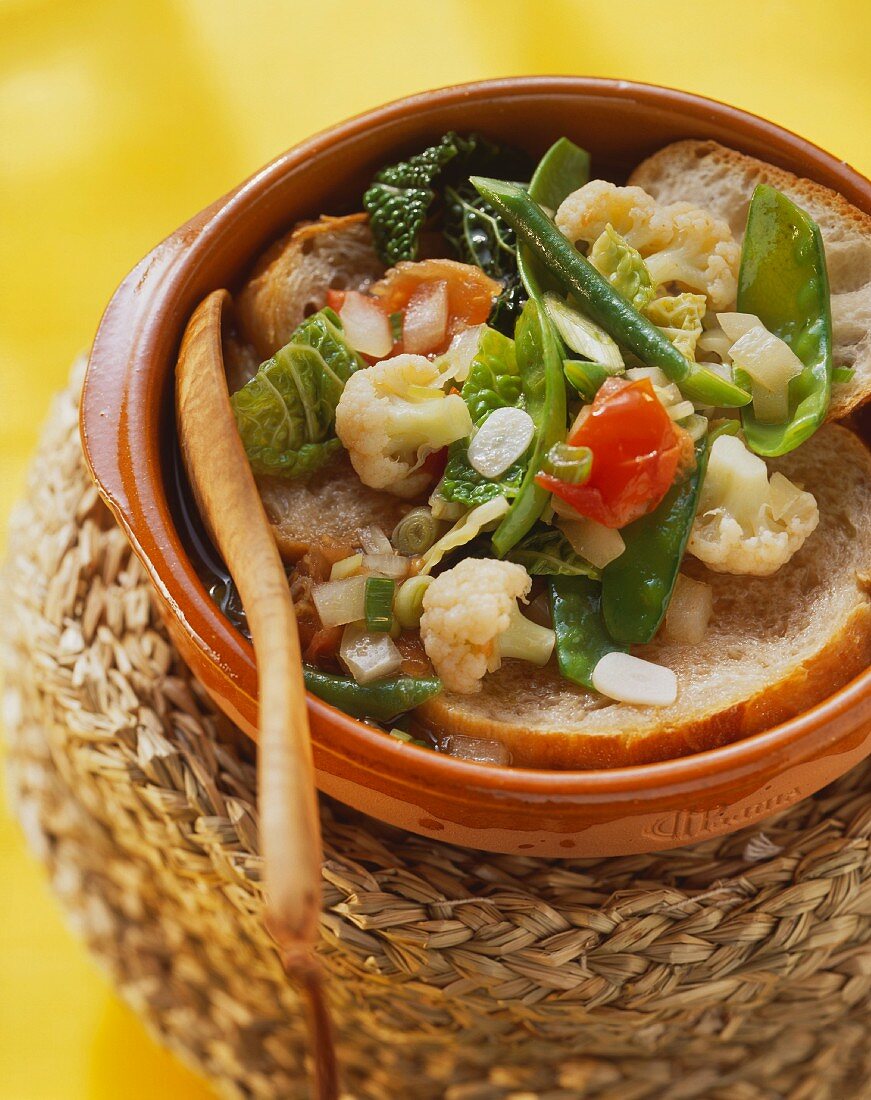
(569, 464)
(378, 602)
(416, 532)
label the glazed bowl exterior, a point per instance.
(127, 433)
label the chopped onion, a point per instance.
(442, 509)
(501, 440)
(583, 335)
(368, 656)
(374, 541)
(735, 325)
(340, 602)
(771, 363)
(681, 410)
(426, 318)
(367, 328)
(782, 495)
(695, 426)
(689, 611)
(715, 342)
(595, 543)
(477, 749)
(347, 567)
(386, 565)
(768, 407)
(628, 679)
(457, 360)
(657, 376)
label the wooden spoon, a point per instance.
(230, 506)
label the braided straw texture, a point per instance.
(736, 969)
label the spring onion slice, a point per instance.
(378, 602)
(569, 464)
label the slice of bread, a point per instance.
(775, 646)
(292, 278)
(327, 510)
(722, 181)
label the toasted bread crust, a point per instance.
(723, 180)
(292, 277)
(846, 655)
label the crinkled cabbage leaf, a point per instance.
(547, 552)
(286, 412)
(493, 383)
(622, 265)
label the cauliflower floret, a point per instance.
(586, 213)
(471, 621)
(392, 415)
(680, 243)
(702, 255)
(747, 524)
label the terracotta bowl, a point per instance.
(129, 443)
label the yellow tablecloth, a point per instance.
(120, 119)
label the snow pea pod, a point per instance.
(382, 700)
(637, 586)
(600, 300)
(563, 169)
(784, 281)
(586, 378)
(544, 390)
(581, 636)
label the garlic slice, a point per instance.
(501, 440)
(628, 679)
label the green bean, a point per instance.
(544, 390)
(784, 282)
(637, 586)
(600, 300)
(581, 636)
(382, 700)
(564, 168)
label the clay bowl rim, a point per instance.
(790, 742)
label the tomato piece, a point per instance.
(637, 450)
(336, 299)
(470, 291)
(435, 463)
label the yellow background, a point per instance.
(120, 118)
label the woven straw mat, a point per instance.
(735, 969)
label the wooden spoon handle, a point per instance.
(230, 505)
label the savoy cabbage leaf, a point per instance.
(286, 412)
(493, 383)
(547, 552)
(402, 197)
(622, 265)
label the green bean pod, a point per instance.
(637, 586)
(544, 390)
(382, 700)
(600, 300)
(581, 636)
(784, 281)
(586, 378)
